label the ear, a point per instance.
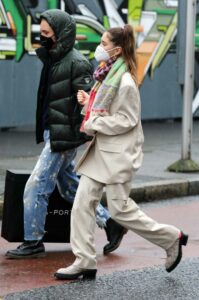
(118, 51)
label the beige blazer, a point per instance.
(115, 152)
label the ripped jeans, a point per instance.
(51, 168)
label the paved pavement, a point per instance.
(162, 148)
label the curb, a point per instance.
(155, 190)
(163, 189)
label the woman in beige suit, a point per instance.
(112, 116)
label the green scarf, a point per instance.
(103, 94)
(107, 90)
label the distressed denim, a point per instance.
(51, 168)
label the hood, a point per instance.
(65, 30)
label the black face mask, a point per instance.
(46, 42)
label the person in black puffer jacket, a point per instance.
(58, 120)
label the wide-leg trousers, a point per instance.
(122, 209)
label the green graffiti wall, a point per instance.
(154, 23)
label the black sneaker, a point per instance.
(28, 249)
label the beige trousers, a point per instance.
(122, 209)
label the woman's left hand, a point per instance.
(82, 97)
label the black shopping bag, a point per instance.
(57, 225)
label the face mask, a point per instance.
(46, 42)
(101, 54)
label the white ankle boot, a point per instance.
(74, 272)
(174, 253)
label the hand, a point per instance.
(82, 97)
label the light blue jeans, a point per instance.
(51, 168)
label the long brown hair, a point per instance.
(124, 37)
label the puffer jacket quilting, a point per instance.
(69, 72)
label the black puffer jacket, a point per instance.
(69, 72)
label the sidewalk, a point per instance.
(162, 147)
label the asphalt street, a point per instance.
(145, 283)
